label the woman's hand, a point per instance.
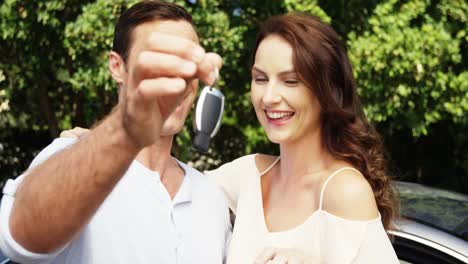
(76, 132)
(283, 256)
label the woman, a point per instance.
(327, 195)
(326, 198)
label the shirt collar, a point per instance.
(184, 194)
(185, 191)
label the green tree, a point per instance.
(410, 63)
(32, 56)
(409, 58)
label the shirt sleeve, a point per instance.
(376, 246)
(356, 242)
(8, 245)
(230, 178)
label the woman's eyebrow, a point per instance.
(287, 72)
(257, 69)
(292, 71)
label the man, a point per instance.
(117, 195)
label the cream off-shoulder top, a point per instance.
(326, 237)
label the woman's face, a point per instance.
(285, 107)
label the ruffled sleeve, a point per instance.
(230, 177)
(361, 242)
(376, 246)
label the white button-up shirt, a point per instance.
(138, 222)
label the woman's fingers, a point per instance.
(67, 134)
(283, 256)
(278, 259)
(76, 132)
(266, 255)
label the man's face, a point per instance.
(175, 122)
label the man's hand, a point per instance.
(59, 196)
(283, 256)
(164, 74)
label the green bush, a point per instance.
(409, 58)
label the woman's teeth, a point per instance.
(278, 115)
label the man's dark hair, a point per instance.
(140, 13)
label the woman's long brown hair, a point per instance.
(321, 61)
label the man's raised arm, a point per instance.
(57, 198)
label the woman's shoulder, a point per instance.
(256, 161)
(252, 164)
(264, 161)
(240, 164)
(349, 195)
(246, 160)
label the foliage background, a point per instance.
(410, 59)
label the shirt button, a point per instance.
(179, 239)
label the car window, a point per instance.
(441, 209)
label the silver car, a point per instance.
(433, 227)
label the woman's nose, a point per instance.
(272, 94)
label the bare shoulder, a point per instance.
(263, 161)
(349, 195)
